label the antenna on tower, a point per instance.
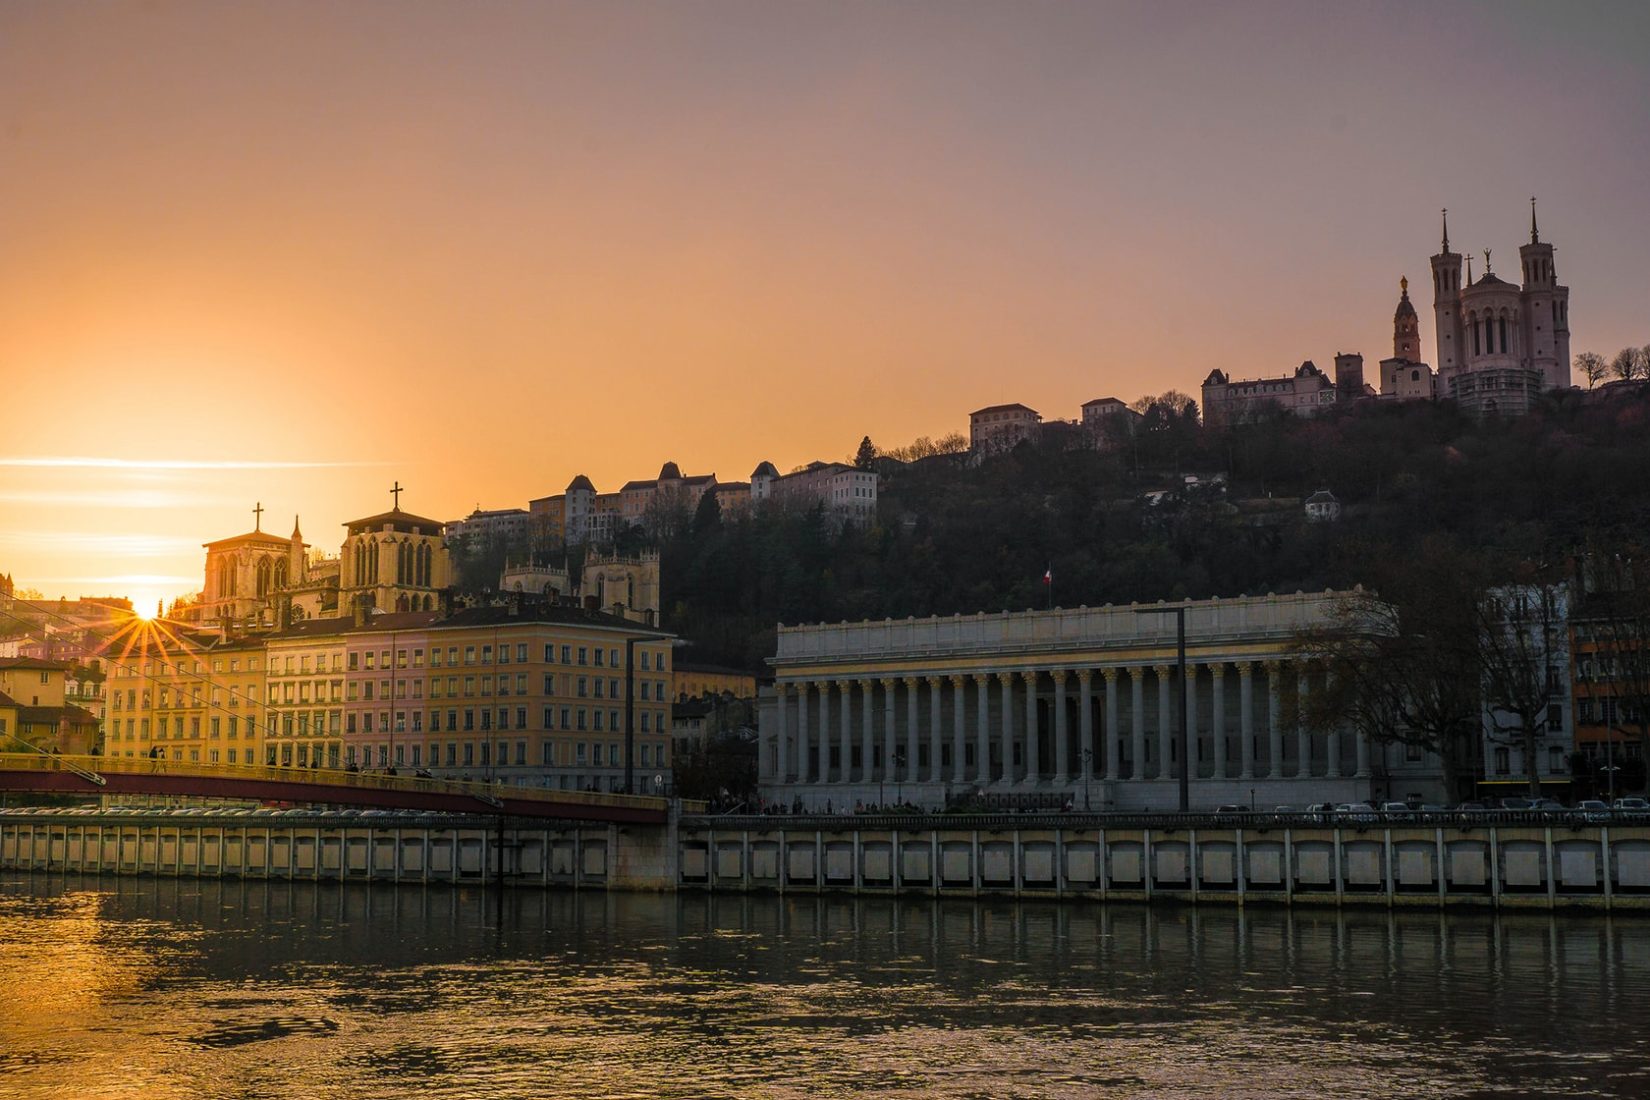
(1446, 229)
(1535, 237)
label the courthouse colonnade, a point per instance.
(1068, 704)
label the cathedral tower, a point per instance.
(1446, 306)
(1545, 312)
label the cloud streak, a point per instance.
(82, 462)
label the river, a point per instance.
(182, 988)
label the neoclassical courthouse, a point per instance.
(1042, 708)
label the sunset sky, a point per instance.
(293, 252)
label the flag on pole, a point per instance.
(1048, 576)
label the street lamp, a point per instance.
(1087, 757)
(1179, 613)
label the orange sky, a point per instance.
(483, 247)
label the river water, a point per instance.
(140, 988)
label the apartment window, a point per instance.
(469, 719)
(549, 718)
(1502, 762)
(584, 655)
(469, 753)
(647, 659)
(578, 754)
(521, 718)
(580, 718)
(521, 752)
(354, 662)
(597, 720)
(486, 654)
(452, 753)
(563, 723)
(418, 658)
(435, 657)
(371, 659)
(566, 652)
(549, 752)
(612, 658)
(549, 654)
(469, 654)
(598, 658)
(521, 653)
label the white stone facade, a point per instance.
(1045, 708)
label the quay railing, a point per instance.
(1254, 820)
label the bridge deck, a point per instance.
(142, 776)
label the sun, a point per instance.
(143, 609)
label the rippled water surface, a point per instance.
(139, 988)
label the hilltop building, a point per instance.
(847, 492)
(998, 428)
(582, 515)
(1500, 345)
(1308, 392)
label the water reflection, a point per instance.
(183, 988)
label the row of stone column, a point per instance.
(813, 717)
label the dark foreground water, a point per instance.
(139, 988)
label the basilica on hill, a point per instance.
(394, 561)
(1498, 347)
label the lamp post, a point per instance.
(1087, 757)
(1179, 613)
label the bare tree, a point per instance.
(1524, 652)
(1628, 364)
(1404, 665)
(1591, 366)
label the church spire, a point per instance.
(1446, 230)
(1469, 269)
(1535, 237)
(297, 535)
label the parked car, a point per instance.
(1593, 810)
(1518, 804)
(1356, 811)
(1398, 810)
(1631, 805)
(1219, 810)
(1472, 807)
(1321, 811)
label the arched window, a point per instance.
(372, 561)
(1474, 323)
(263, 577)
(280, 574)
(1503, 332)
(403, 563)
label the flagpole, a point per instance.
(1050, 575)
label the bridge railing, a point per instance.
(326, 777)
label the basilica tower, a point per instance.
(1446, 306)
(1546, 311)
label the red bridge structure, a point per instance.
(115, 776)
